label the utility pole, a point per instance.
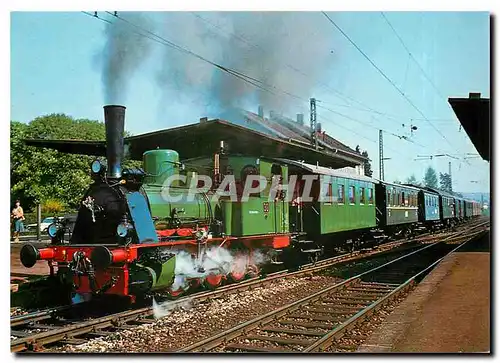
(449, 172)
(38, 221)
(381, 154)
(314, 138)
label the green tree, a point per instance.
(396, 181)
(41, 174)
(430, 178)
(445, 182)
(412, 180)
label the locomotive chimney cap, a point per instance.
(106, 106)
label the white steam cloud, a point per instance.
(165, 308)
(217, 260)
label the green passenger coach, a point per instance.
(397, 206)
(342, 205)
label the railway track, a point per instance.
(33, 331)
(315, 323)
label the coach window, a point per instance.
(405, 200)
(352, 195)
(402, 201)
(341, 194)
(370, 195)
(362, 198)
(329, 193)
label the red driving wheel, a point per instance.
(237, 276)
(174, 294)
(212, 281)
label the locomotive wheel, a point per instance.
(239, 269)
(253, 271)
(213, 281)
(194, 283)
(174, 294)
(237, 276)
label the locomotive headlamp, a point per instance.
(98, 167)
(53, 229)
(122, 229)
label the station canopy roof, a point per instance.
(203, 139)
(474, 115)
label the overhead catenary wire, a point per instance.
(346, 98)
(431, 82)
(386, 77)
(258, 83)
(253, 81)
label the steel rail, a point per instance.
(328, 339)
(241, 329)
(71, 331)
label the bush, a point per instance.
(52, 206)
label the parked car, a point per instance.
(46, 222)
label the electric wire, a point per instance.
(255, 82)
(386, 77)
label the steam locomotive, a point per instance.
(132, 239)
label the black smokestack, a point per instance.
(114, 121)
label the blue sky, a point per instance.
(56, 63)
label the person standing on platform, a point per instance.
(18, 217)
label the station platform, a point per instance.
(448, 312)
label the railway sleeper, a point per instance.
(293, 331)
(19, 333)
(251, 348)
(377, 284)
(364, 292)
(345, 303)
(350, 299)
(314, 317)
(43, 326)
(369, 289)
(306, 324)
(339, 309)
(279, 340)
(74, 341)
(101, 333)
(332, 312)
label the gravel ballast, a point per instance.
(191, 322)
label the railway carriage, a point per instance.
(342, 206)
(469, 209)
(397, 207)
(476, 209)
(428, 208)
(446, 206)
(459, 208)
